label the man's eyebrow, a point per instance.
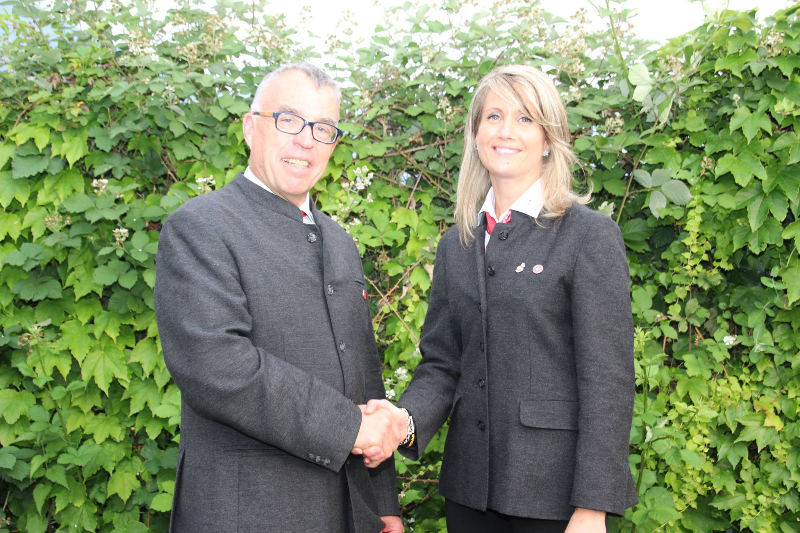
(287, 109)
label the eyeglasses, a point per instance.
(293, 124)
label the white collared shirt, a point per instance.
(530, 203)
(308, 216)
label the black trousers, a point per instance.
(461, 519)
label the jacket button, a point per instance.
(490, 271)
(481, 382)
(311, 237)
(342, 346)
(481, 425)
(482, 346)
(329, 290)
(503, 235)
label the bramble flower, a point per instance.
(205, 184)
(729, 340)
(120, 235)
(401, 373)
(390, 394)
(99, 186)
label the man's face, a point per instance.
(290, 165)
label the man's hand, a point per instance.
(373, 456)
(586, 521)
(393, 524)
(378, 436)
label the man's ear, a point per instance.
(248, 128)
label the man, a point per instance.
(265, 326)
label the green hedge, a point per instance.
(110, 119)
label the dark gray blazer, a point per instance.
(535, 370)
(267, 333)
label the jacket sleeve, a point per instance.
(203, 323)
(384, 477)
(603, 336)
(429, 396)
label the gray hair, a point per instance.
(516, 84)
(315, 74)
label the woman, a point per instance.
(528, 341)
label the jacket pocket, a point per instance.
(549, 414)
(456, 399)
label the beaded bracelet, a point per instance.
(409, 440)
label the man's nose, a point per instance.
(305, 138)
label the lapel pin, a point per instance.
(537, 269)
(521, 267)
(364, 293)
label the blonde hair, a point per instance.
(519, 85)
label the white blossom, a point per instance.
(729, 340)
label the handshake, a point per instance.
(383, 428)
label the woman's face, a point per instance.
(510, 143)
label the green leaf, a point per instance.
(420, 277)
(77, 339)
(406, 218)
(729, 501)
(11, 189)
(77, 203)
(57, 474)
(791, 278)
(40, 494)
(103, 365)
(677, 192)
(750, 123)
(129, 279)
(123, 481)
(14, 404)
(146, 354)
(734, 62)
(104, 275)
(757, 211)
(162, 502)
(27, 166)
(643, 178)
(7, 459)
(177, 128)
(84, 517)
(75, 146)
(141, 393)
(661, 176)
(743, 167)
(639, 75)
(792, 231)
(692, 458)
(6, 151)
(102, 426)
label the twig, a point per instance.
(30, 106)
(419, 502)
(383, 297)
(391, 291)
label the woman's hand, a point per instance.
(587, 521)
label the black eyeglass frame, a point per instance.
(276, 114)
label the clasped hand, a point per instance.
(383, 428)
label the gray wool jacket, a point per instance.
(266, 330)
(528, 349)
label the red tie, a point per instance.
(303, 213)
(490, 221)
